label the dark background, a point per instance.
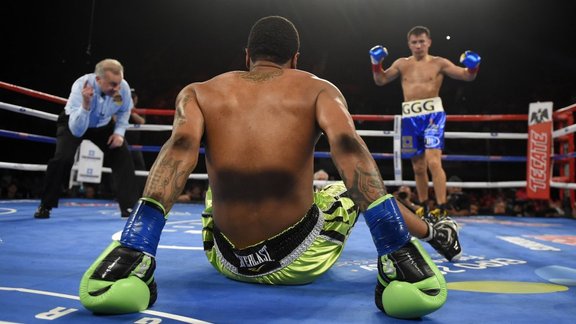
(527, 50)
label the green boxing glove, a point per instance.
(409, 283)
(121, 280)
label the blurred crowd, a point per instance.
(27, 185)
(462, 202)
(498, 202)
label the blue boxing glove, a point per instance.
(377, 55)
(471, 60)
(121, 280)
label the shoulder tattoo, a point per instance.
(261, 76)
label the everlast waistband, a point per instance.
(274, 253)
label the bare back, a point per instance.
(260, 132)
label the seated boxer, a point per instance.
(263, 222)
(423, 123)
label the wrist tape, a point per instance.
(144, 226)
(387, 225)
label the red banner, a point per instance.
(538, 168)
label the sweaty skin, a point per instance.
(260, 128)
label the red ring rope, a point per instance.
(560, 114)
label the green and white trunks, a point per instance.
(296, 256)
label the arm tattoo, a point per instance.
(167, 181)
(363, 179)
(365, 185)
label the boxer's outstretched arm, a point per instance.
(179, 155)
(471, 62)
(354, 162)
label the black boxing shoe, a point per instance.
(443, 236)
(422, 211)
(437, 214)
(42, 212)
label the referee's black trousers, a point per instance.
(119, 159)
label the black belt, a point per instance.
(270, 254)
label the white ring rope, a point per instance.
(149, 127)
(369, 133)
(491, 135)
(564, 131)
(42, 167)
(28, 111)
(53, 117)
(204, 176)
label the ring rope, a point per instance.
(367, 133)
(564, 111)
(26, 136)
(32, 93)
(319, 154)
(53, 117)
(461, 118)
(42, 167)
(28, 111)
(152, 111)
(204, 176)
(562, 115)
(170, 112)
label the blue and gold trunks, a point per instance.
(423, 123)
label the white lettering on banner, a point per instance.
(538, 160)
(491, 263)
(55, 313)
(466, 262)
(445, 270)
(531, 245)
(539, 149)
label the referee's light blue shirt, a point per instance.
(102, 107)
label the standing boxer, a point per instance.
(424, 119)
